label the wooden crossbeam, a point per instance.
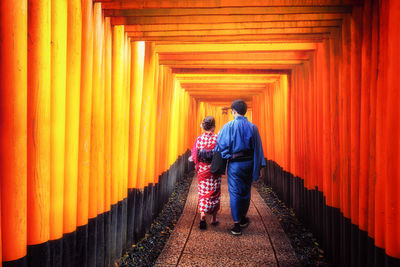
(230, 26)
(183, 76)
(228, 98)
(217, 79)
(307, 37)
(237, 32)
(237, 47)
(222, 18)
(200, 88)
(140, 4)
(224, 93)
(230, 62)
(271, 67)
(188, 71)
(298, 55)
(215, 83)
(152, 12)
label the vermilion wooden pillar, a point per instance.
(333, 89)
(326, 160)
(356, 49)
(159, 121)
(125, 136)
(145, 122)
(344, 119)
(73, 80)
(153, 85)
(39, 93)
(367, 69)
(372, 121)
(169, 94)
(85, 113)
(137, 59)
(388, 130)
(13, 125)
(108, 187)
(96, 178)
(58, 94)
(85, 120)
(1, 242)
(117, 131)
(58, 97)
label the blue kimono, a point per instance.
(236, 137)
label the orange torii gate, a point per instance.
(100, 101)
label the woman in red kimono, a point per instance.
(209, 185)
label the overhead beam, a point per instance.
(297, 55)
(237, 47)
(251, 79)
(227, 71)
(223, 93)
(222, 18)
(230, 62)
(307, 37)
(140, 4)
(223, 89)
(283, 67)
(116, 11)
(232, 32)
(229, 26)
(228, 98)
(244, 75)
(226, 91)
(214, 82)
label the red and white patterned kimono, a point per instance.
(209, 185)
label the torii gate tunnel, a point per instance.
(101, 100)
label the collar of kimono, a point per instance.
(240, 118)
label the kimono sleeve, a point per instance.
(259, 160)
(224, 142)
(194, 152)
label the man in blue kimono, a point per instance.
(239, 142)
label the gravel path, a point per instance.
(146, 251)
(302, 240)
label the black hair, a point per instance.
(208, 123)
(240, 106)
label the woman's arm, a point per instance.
(194, 152)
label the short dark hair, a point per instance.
(240, 106)
(208, 123)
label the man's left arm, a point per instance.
(259, 160)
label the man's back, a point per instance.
(236, 136)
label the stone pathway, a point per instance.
(262, 243)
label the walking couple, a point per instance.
(238, 142)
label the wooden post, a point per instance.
(137, 61)
(117, 130)
(72, 108)
(13, 125)
(58, 98)
(39, 93)
(108, 183)
(59, 15)
(145, 122)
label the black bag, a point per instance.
(218, 164)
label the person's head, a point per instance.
(208, 124)
(239, 108)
